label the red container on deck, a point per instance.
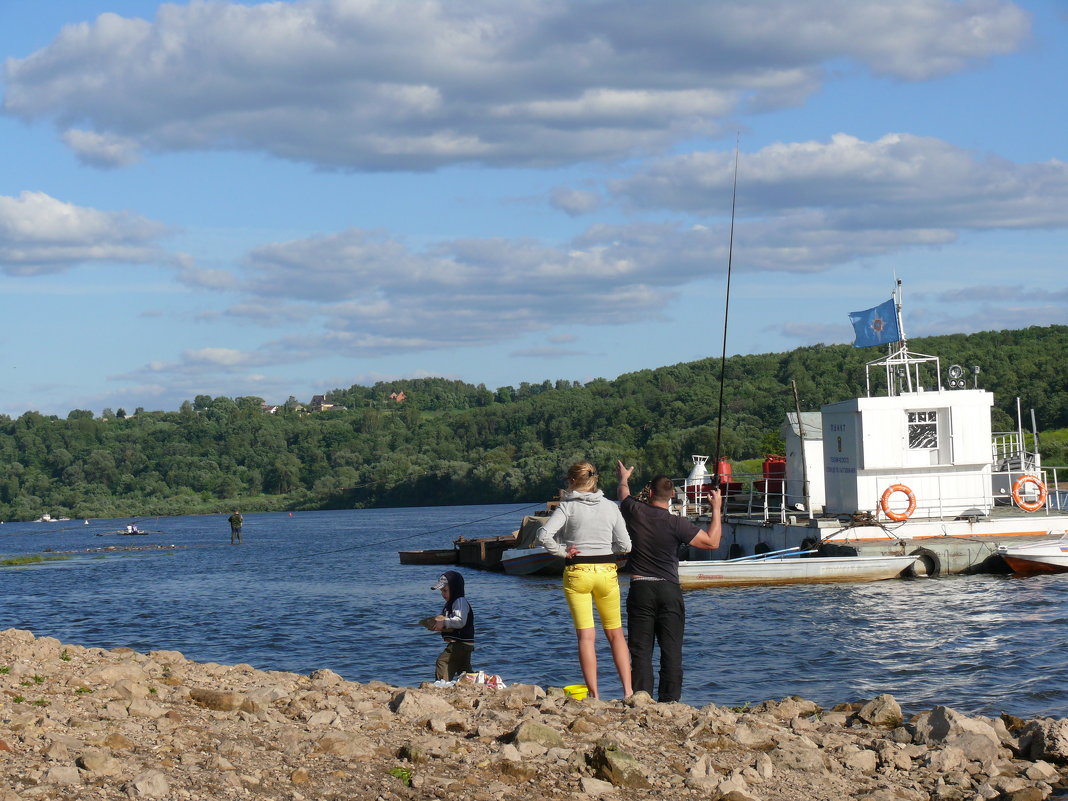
(723, 470)
(774, 473)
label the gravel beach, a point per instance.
(88, 723)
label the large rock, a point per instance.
(416, 705)
(531, 731)
(1047, 740)
(63, 774)
(216, 699)
(797, 756)
(787, 708)
(150, 784)
(95, 760)
(883, 710)
(942, 724)
(112, 674)
(345, 744)
(614, 765)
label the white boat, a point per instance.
(791, 570)
(913, 466)
(1045, 556)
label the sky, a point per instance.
(277, 199)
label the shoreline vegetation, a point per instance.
(119, 724)
(435, 442)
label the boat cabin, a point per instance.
(934, 445)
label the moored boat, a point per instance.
(914, 466)
(1044, 556)
(791, 570)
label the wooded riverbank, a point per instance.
(448, 442)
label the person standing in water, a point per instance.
(588, 530)
(236, 521)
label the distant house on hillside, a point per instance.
(397, 396)
(270, 409)
(320, 403)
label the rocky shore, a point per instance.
(87, 723)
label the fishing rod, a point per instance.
(726, 311)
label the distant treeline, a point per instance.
(448, 442)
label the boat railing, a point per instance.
(1009, 451)
(953, 496)
(753, 494)
(944, 497)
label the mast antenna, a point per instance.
(726, 312)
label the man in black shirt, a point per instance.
(655, 609)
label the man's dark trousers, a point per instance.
(655, 611)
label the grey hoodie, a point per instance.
(590, 522)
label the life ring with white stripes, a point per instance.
(1018, 496)
(885, 503)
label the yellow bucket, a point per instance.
(577, 691)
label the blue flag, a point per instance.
(876, 326)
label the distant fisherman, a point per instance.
(236, 521)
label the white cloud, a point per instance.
(898, 179)
(39, 234)
(102, 150)
(222, 357)
(821, 206)
(545, 353)
(386, 85)
(574, 202)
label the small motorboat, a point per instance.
(781, 567)
(1044, 556)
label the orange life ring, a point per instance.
(885, 503)
(1017, 493)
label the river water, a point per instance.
(326, 590)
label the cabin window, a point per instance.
(923, 430)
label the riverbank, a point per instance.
(81, 722)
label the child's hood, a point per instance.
(454, 581)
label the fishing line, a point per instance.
(726, 311)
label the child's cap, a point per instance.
(443, 582)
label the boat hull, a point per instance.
(538, 562)
(531, 562)
(796, 570)
(1046, 556)
(1031, 565)
(429, 556)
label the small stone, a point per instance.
(639, 699)
(63, 774)
(94, 760)
(532, 731)
(150, 784)
(596, 787)
(219, 701)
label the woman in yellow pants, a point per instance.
(588, 530)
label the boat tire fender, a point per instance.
(885, 502)
(1018, 493)
(928, 565)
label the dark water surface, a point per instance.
(325, 589)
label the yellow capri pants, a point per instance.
(585, 585)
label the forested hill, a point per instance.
(449, 442)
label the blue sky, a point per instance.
(277, 199)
